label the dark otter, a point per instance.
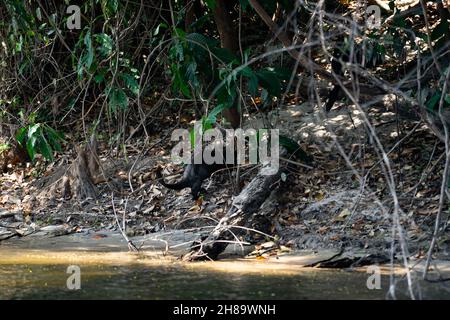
(194, 174)
(341, 56)
(193, 177)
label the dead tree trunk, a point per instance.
(225, 27)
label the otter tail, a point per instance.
(183, 183)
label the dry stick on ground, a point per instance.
(244, 206)
(130, 243)
(444, 184)
(387, 169)
(391, 184)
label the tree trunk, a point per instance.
(228, 41)
(194, 11)
(224, 25)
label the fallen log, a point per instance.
(255, 200)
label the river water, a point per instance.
(137, 281)
(40, 272)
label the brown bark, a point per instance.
(190, 15)
(82, 177)
(194, 11)
(225, 27)
(228, 41)
(232, 115)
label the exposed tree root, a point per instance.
(78, 180)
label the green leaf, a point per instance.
(253, 84)
(206, 124)
(431, 105)
(264, 95)
(54, 138)
(161, 25)
(110, 7)
(447, 98)
(45, 149)
(180, 84)
(199, 40)
(244, 4)
(211, 4)
(270, 82)
(21, 136)
(99, 78)
(117, 100)
(130, 82)
(106, 44)
(31, 145)
(89, 57)
(180, 33)
(179, 51)
(247, 72)
(191, 75)
(38, 14)
(33, 130)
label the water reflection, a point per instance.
(41, 274)
(172, 282)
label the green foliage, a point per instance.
(432, 100)
(40, 55)
(211, 4)
(199, 67)
(117, 99)
(109, 7)
(39, 138)
(108, 67)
